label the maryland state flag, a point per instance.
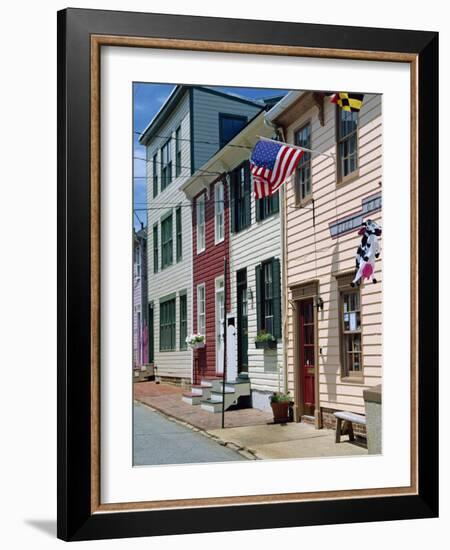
(348, 101)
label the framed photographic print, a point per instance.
(247, 274)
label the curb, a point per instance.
(249, 454)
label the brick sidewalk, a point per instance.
(167, 399)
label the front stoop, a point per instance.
(208, 394)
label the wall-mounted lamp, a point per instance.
(250, 296)
(318, 302)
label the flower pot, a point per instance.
(280, 411)
(268, 344)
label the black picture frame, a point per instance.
(75, 518)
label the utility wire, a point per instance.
(186, 167)
(202, 142)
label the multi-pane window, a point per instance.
(166, 241)
(351, 350)
(347, 142)
(267, 206)
(218, 212)
(166, 164)
(178, 232)
(303, 172)
(200, 212)
(268, 297)
(137, 261)
(240, 198)
(201, 309)
(155, 174)
(183, 321)
(167, 322)
(229, 126)
(155, 249)
(178, 151)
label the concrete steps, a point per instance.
(208, 394)
(233, 391)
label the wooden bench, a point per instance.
(350, 418)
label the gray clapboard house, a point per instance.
(191, 126)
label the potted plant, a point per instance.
(196, 341)
(265, 340)
(280, 402)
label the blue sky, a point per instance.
(148, 99)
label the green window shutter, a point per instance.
(232, 187)
(276, 282)
(275, 202)
(258, 204)
(183, 321)
(259, 303)
(247, 197)
(178, 233)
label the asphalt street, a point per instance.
(158, 440)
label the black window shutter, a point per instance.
(248, 212)
(259, 288)
(232, 186)
(276, 282)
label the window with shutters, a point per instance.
(303, 190)
(178, 151)
(178, 234)
(155, 175)
(166, 164)
(167, 322)
(267, 206)
(240, 198)
(347, 147)
(268, 296)
(218, 213)
(183, 321)
(166, 241)
(155, 249)
(200, 214)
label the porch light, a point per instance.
(318, 302)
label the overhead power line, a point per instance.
(203, 142)
(209, 172)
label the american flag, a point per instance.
(271, 164)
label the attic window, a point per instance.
(229, 126)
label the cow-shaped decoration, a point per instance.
(367, 252)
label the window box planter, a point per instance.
(268, 344)
(199, 345)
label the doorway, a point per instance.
(307, 359)
(220, 318)
(242, 320)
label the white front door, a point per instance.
(232, 371)
(220, 317)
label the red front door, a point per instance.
(307, 355)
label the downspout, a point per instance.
(280, 132)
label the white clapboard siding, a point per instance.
(177, 277)
(312, 254)
(248, 248)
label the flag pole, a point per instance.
(330, 155)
